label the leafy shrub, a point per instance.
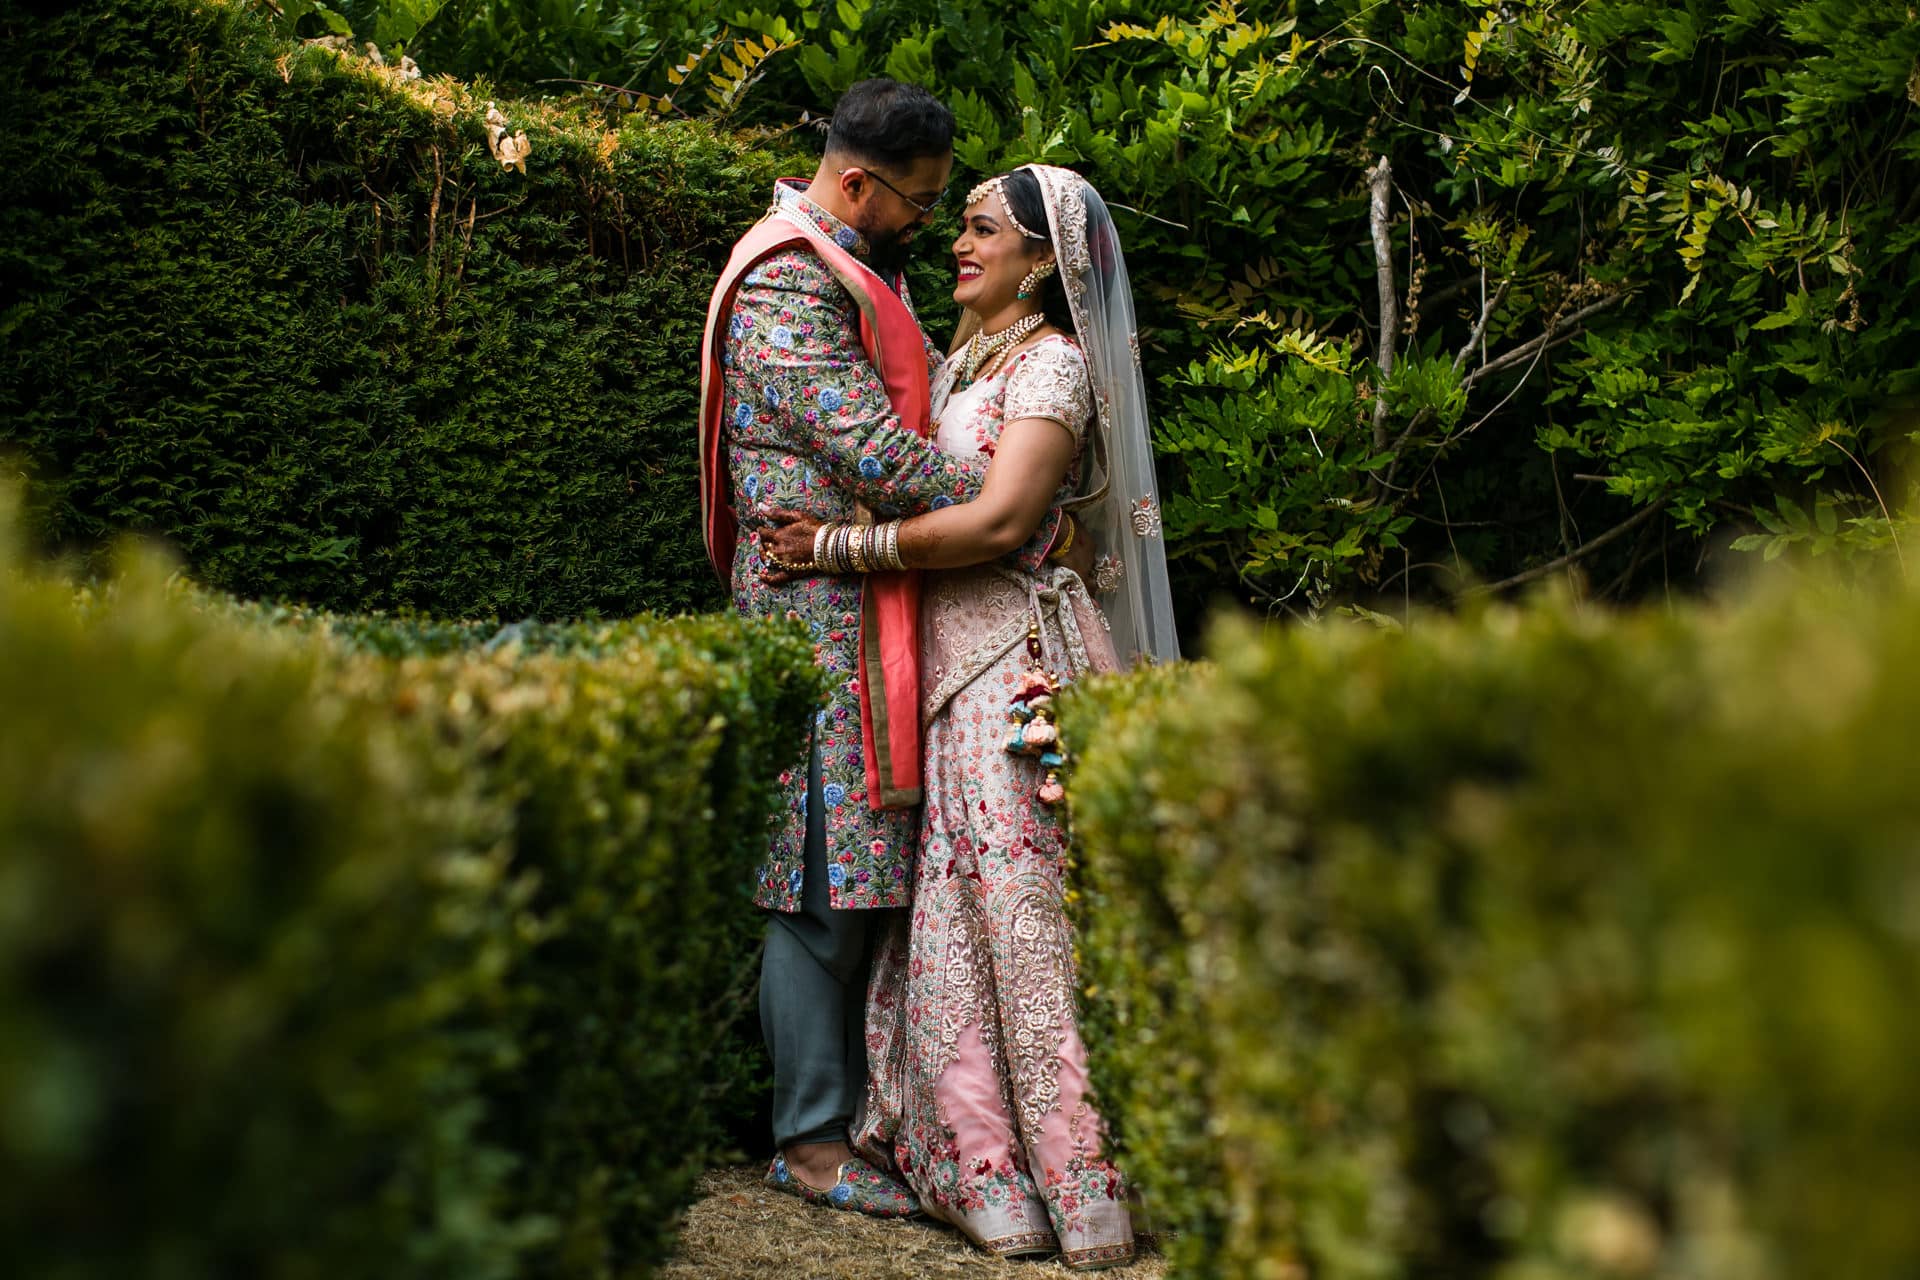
(1687, 237)
(240, 914)
(283, 307)
(1690, 233)
(639, 761)
(317, 960)
(1532, 944)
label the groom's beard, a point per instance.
(888, 255)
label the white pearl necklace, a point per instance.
(983, 348)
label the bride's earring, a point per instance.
(1031, 282)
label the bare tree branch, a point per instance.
(1559, 331)
(1380, 185)
(1460, 358)
(1480, 326)
(1580, 552)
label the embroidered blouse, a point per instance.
(971, 617)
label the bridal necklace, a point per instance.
(983, 349)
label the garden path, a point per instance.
(741, 1228)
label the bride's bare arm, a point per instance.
(1029, 463)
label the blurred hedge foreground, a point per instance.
(1538, 943)
(347, 948)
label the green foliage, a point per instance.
(241, 916)
(1703, 219)
(639, 761)
(282, 307)
(341, 946)
(1534, 943)
(1688, 234)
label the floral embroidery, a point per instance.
(1049, 380)
(971, 1005)
(1146, 518)
(811, 431)
(860, 1187)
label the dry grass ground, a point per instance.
(740, 1227)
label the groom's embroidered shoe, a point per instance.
(860, 1187)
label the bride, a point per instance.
(978, 1093)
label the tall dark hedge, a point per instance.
(286, 310)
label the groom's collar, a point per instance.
(791, 193)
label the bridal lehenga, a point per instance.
(978, 1089)
(978, 1093)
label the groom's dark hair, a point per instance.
(884, 122)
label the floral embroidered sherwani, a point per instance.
(808, 428)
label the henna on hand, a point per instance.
(788, 535)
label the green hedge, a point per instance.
(284, 309)
(1700, 218)
(316, 961)
(1537, 944)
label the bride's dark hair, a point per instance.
(1023, 196)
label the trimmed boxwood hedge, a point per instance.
(1536, 943)
(318, 961)
(282, 308)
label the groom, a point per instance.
(814, 398)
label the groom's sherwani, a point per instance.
(808, 427)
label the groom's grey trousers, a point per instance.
(813, 998)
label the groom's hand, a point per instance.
(787, 537)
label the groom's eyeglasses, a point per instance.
(926, 210)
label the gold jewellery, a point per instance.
(984, 348)
(1062, 548)
(1031, 282)
(997, 187)
(841, 547)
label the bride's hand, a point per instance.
(789, 537)
(1079, 557)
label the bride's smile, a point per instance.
(991, 260)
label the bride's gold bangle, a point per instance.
(1065, 544)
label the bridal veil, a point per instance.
(1119, 502)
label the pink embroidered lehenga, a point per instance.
(978, 1085)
